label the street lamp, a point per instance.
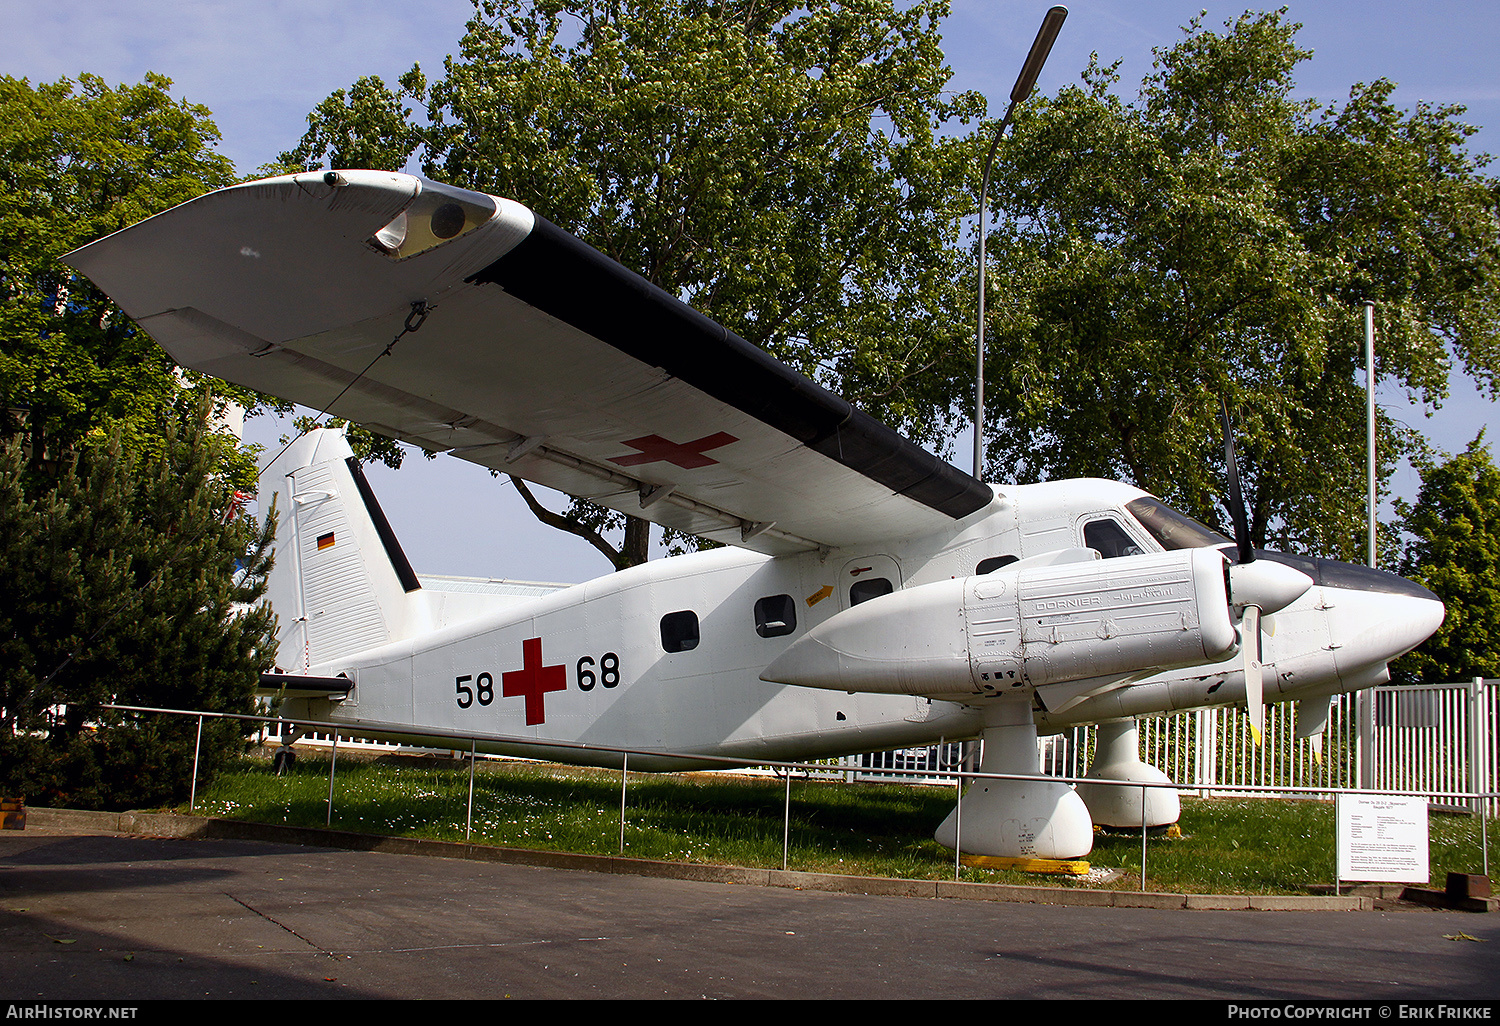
(1370, 418)
(1040, 48)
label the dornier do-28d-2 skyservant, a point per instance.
(870, 595)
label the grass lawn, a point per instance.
(1255, 846)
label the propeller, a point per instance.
(1256, 586)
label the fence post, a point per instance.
(1491, 707)
(1484, 841)
(333, 763)
(1479, 767)
(624, 768)
(469, 822)
(197, 745)
(958, 820)
(1143, 837)
(786, 821)
(1364, 747)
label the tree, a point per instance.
(116, 545)
(78, 161)
(1453, 548)
(1217, 238)
(131, 578)
(779, 166)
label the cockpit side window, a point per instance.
(1109, 539)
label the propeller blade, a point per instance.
(1236, 494)
(1258, 589)
(1254, 679)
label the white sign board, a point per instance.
(1382, 838)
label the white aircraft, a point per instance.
(871, 596)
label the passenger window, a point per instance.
(1109, 539)
(989, 566)
(864, 591)
(775, 616)
(679, 631)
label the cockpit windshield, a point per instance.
(1171, 528)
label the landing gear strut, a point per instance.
(1116, 757)
(1033, 819)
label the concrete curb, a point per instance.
(152, 824)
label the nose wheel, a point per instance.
(283, 760)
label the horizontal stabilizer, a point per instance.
(301, 685)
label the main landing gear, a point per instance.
(1116, 748)
(1045, 819)
(1029, 819)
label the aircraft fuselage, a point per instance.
(668, 656)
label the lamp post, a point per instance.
(1364, 767)
(1370, 419)
(1025, 82)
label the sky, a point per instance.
(261, 65)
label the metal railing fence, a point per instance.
(1436, 740)
(956, 777)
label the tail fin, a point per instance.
(341, 583)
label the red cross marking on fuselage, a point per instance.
(687, 455)
(533, 680)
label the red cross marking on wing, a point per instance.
(687, 455)
(533, 680)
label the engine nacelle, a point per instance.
(1023, 627)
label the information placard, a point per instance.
(1383, 838)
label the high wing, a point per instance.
(521, 349)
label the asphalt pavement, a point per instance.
(121, 917)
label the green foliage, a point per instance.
(78, 161)
(1217, 238)
(1454, 549)
(799, 174)
(129, 579)
(786, 169)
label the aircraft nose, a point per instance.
(1423, 620)
(1375, 616)
(1371, 628)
